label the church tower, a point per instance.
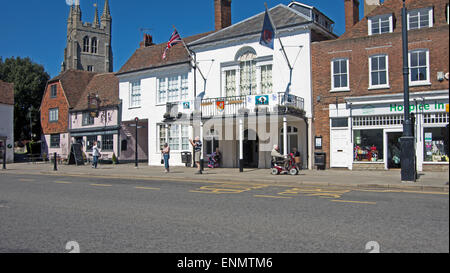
(88, 44)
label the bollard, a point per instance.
(55, 164)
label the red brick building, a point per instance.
(358, 86)
(61, 94)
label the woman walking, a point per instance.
(95, 154)
(166, 156)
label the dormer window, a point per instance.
(420, 18)
(381, 24)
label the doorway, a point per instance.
(251, 149)
(394, 150)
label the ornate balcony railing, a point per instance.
(214, 107)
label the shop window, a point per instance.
(107, 142)
(90, 143)
(55, 141)
(368, 146)
(436, 144)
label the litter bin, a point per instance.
(186, 158)
(320, 160)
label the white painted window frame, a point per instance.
(379, 86)
(133, 103)
(340, 89)
(378, 18)
(430, 17)
(420, 83)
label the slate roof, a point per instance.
(281, 15)
(151, 57)
(6, 93)
(74, 83)
(106, 86)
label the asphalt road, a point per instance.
(44, 213)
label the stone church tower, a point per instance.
(88, 44)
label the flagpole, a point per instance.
(279, 38)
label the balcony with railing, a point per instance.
(238, 105)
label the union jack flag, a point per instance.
(174, 39)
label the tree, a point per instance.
(29, 81)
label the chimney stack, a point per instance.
(370, 5)
(222, 13)
(148, 41)
(351, 13)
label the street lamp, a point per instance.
(408, 151)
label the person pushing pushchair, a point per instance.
(214, 159)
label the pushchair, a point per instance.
(286, 166)
(214, 161)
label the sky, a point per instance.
(38, 29)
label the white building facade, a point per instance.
(235, 94)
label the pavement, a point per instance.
(387, 180)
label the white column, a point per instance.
(285, 136)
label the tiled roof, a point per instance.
(281, 15)
(6, 93)
(151, 57)
(74, 83)
(106, 86)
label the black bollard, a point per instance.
(55, 164)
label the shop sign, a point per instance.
(426, 107)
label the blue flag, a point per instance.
(268, 32)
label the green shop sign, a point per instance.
(394, 108)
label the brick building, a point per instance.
(358, 86)
(61, 94)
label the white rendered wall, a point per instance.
(7, 129)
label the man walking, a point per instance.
(197, 144)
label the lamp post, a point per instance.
(408, 151)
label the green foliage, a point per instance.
(114, 159)
(29, 81)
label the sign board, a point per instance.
(76, 155)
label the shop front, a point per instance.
(371, 137)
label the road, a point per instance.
(44, 213)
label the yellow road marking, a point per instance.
(147, 188)
(405, 191)
(356, 202)
(177, 180)
(62, 182)
(101, 185)
(270, 196)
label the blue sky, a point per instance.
(37, 29)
